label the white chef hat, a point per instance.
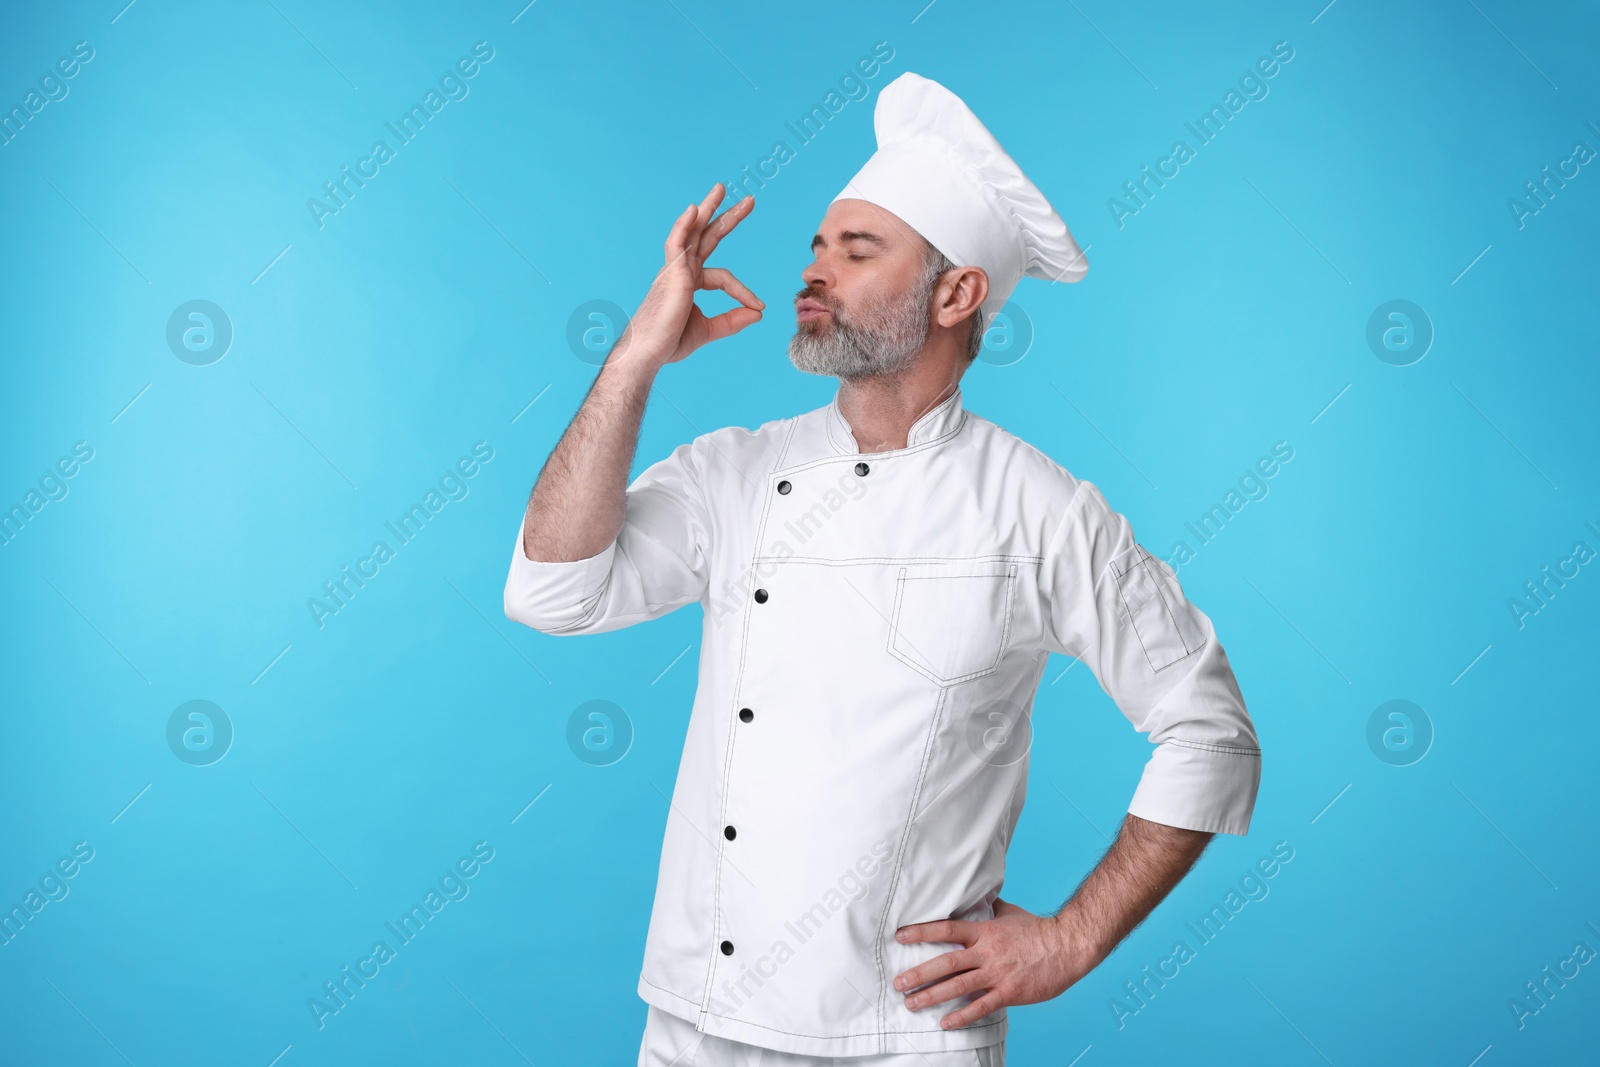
(941, 172)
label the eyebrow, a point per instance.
(850, 235)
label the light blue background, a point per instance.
(429, 312)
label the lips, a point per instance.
(806, 310)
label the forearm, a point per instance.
(1136, 873)
(577, 505)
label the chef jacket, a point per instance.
(875, 628)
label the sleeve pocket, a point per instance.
(1162, 619)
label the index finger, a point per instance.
(676, 244)
(961, 933)
(723, 225)
(944, 964)
(684, 239)
(702, 217)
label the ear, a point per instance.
(961, 292)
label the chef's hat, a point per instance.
(941, 172)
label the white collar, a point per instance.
(941, 422)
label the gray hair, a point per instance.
(934, 264)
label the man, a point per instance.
(883, 580)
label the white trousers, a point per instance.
(673, 1042)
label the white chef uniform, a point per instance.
(872, 623)
(673, 1042)
(876, 626)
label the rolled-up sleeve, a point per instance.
(659, 560)
(1121, 611)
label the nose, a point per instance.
(814, 276)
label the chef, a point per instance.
(883, 580)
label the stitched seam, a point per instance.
(869, 1033)
(783, 450)
(1231, 750)
(1069, 515)
(1005, 629)
(828, 426)
(664, 989)
(894, 613)
(835, 416)
(1180, 659)
(855, 456)
(899, 861)
(1149, 564)
(852, 560)
(1122, 590)
(727, 763)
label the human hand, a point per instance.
(1015, 958)
(668, 326)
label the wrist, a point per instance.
(1079, 939)
(639, 353)
(631, 368)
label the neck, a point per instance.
(882, 409)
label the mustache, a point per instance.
(808, 293)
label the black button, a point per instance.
(761, 596)
(727, 948)
(745, 715)
(729, 832)
(862, 469)
(784, 487)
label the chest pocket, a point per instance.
(952, 620)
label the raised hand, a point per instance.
(668, 326)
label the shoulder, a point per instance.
(1064, 503)
(748, 451)
(1026, 462)
(768, 436)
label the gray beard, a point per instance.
(884, 340)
